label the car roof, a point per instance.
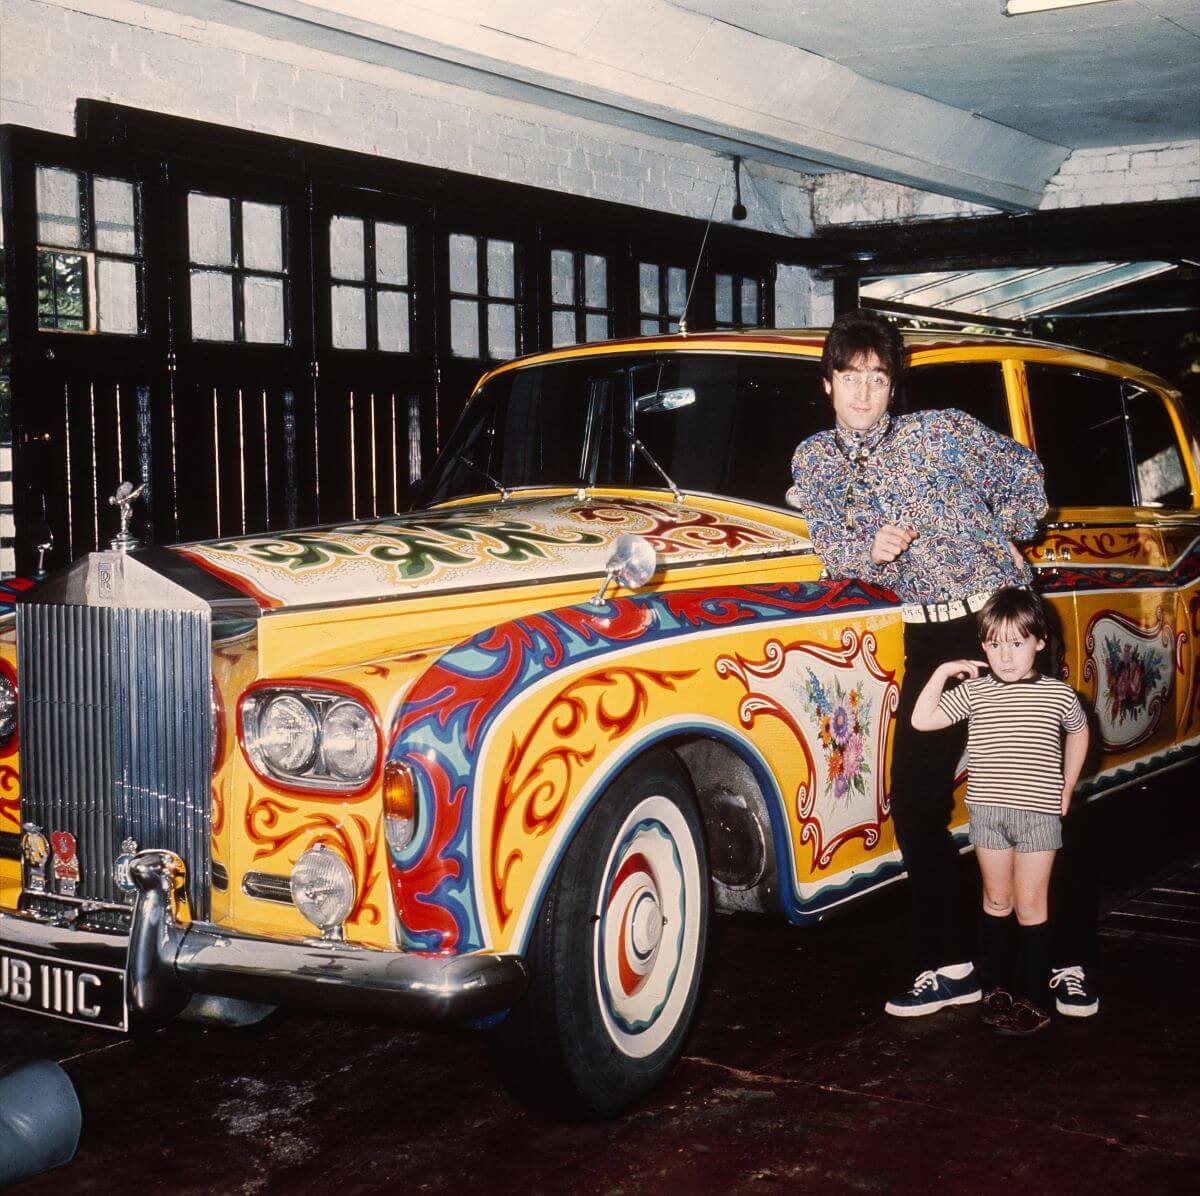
(809, 342)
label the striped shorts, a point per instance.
(1004, 827)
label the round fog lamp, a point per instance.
(348, 736)
(323, 889)
(287, 734)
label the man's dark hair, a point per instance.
(857, 332)
(1013, 607)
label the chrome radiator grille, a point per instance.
(115, 735)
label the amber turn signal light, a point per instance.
(399, 805)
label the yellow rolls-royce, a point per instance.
(498, 759)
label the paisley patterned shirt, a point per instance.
(963, 488)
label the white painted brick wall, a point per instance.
(1120, 174)
(844, 198)
(55, 51)
(802, 299)
(1102, 175)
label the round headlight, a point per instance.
(348, 736)
(287, 734)
(323, 888)
(8, 709)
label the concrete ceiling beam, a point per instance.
(650, 65)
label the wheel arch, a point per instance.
(745, 824)
(741, 773)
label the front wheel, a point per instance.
(618, 948)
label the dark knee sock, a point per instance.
(1035, 963)
(997, 950)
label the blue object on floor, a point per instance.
(40, 1120)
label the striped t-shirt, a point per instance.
(1014, 739)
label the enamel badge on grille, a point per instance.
(129, 849)
(66, 862)
(36, 850)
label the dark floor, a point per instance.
(794, 1081)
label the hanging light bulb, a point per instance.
(739, 208)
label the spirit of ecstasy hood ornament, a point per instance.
(124, 498)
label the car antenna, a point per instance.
(699, 258)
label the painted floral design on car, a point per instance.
(844, 717)
(1133, 674)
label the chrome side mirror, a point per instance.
(631, 564)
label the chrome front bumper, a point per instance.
(166, 960)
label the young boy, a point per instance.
(1026, 741)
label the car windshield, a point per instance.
(722, 423)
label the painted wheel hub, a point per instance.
(647, 927)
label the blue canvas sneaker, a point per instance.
(1073, 996)
(956, 984)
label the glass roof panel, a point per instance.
(1010, 294)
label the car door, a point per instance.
(1105, 546)
(1165, 477)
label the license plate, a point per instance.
(90, 994)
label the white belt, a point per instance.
(942, 612)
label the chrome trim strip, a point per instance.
(1186, 518)
(85, 905)
(268, 886)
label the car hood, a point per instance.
(487, 544)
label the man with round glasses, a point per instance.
(927, 505)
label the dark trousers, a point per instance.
(1073, 898)
(923, 769)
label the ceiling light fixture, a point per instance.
(1018, 8)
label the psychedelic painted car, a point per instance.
(467, 763)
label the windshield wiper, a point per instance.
(646, 453)
(505, 492)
